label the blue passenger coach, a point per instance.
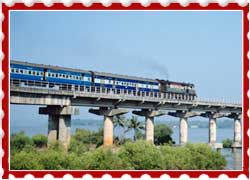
(76, 79)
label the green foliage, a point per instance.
(176, 158)
(162, 134)
(56, 146)
(25, 161)
(205, 157)
(121, 122)
(102, 159)
(40, 140)
(137, 155)
(78, 147)
(227, 143)
(18, 141)
(141, 155)
(83, 136)
(135, 125)
(52, 159)
(192, 156)
(97, 137)
(139, 135)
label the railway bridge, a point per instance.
(59, 105)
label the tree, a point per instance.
(120, 121)
(141, 155)
(227, 143)
(135, 125)
(18, 141)
(162, 134)
(40, 140)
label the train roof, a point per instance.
(47, 66)
(96, 72)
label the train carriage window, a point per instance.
(12, 70)
(49, 74)
(52, 74)
(29, 72)
(76, 77)
(17, 71)
(56, 75)
(36, 73)
(63, 76)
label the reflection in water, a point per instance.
(234, 159)
(237, 159)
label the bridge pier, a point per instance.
(183, 115)
(59, 123)
(149, 121)
(212, 128)
(237, 131)
(108, 126)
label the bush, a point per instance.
(78, 147)
(176, 158)
(97, 137)
(40, 140)
(25, 161)
(191, 157)
(227, 143)
(162, 134)
(83, 136)
(56, 146)
(141, 155)
(205, 157)
(52, 160)
(102, 159)
(18, 141)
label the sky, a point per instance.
(200, 47)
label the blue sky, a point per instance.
(204, 48)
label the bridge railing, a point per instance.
(106, 91)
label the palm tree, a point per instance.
(135, 125)
(120, 121)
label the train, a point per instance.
(55, 77)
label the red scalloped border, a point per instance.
(118, 6)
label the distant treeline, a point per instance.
(223, 123)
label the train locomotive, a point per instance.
(54, 77)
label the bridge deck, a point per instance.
(100, 98)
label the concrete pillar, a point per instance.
(183, 131)
(64, 130)
(213, 116)
(149, 121)
(237, 131)
(149, 129)
(212, 131)
(52, 128)
(59, 123)
(108, 129)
